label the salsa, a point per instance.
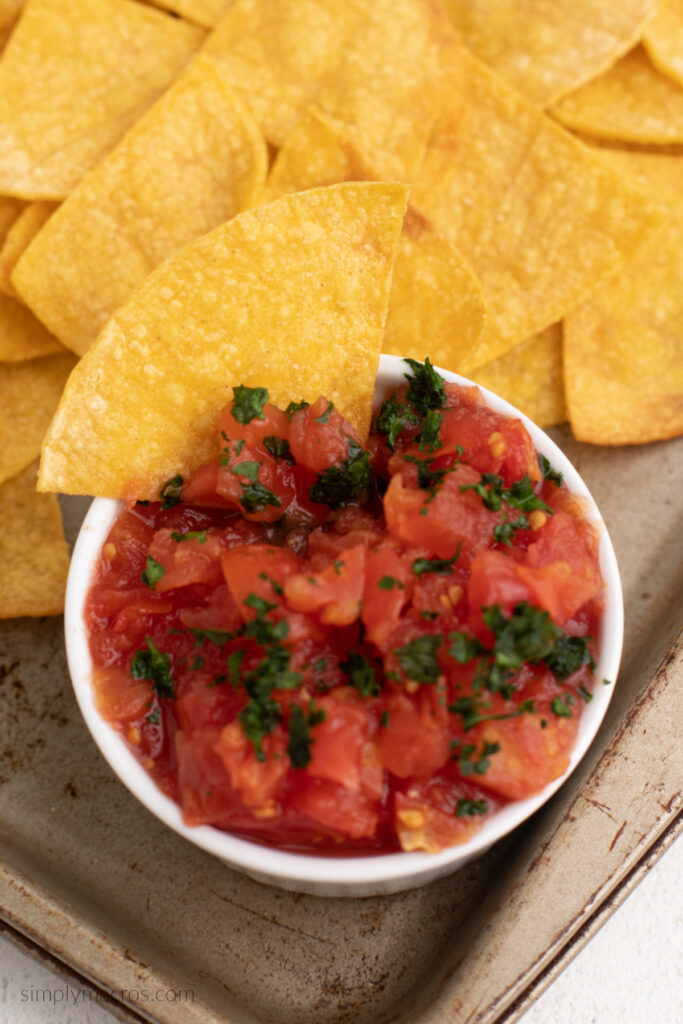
(326, 645)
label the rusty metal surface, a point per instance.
(90, 876)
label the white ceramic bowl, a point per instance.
(328, 875)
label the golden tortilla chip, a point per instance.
(292, 297)
(29, 393)
(22, 336)
(623, 348)
(547, 48)
(436, 302)
(663, 39)
(9, 211)
(530, 376)
(631, 102)
(23, 230)
(202, 12)
(75, 75)
(538, 217)
(374, 66)
(9, 10)
(34, 557)
(192, 162)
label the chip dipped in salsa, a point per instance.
(324, 644)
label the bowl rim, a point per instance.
(350, 874)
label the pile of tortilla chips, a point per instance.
(201, 193)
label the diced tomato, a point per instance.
(451, 520)
(257, 781)
(260, 486)
(335, 593)
(119, 697)
(338, 742)
(319, 436)
(187, 559)
(426, 812)
(272, 423)
(388, 586)
(258, 569)
(336, 810)
(413, 741)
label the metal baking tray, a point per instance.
(93, 883)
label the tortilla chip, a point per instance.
(292, 297)
(375, 66)
(29, 393)
(9, 211)
(192, 162)
(623, 348)
(436, 301)
(663, 39)
(34, 557)
(22, 336)
(530, 376)
(547, 48)
(9, 11)
(202, 12)
(537, 216)
(23, 230)
(632, 102)
(75, 76)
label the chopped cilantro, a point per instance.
(429, 615)
(274, 583)
(342, 484)
(426, 388)
(561, 707)
(464, 808)
(427, 478)
(295, 407)
(584, 694)
(428, 438)
(389, 582)
(170, 492)
(464, 648)
(470, 765)
(325, 416)
(247, 403)
(471, 710)
(258, 718)
(519, 495)
(505, 531)
(361, 674)
(152, 572)
(441, 566)
(154, 666)
(197, 663)
(256, 497)
(393, 417)
(247, 469)
(569, 654)
(548, 472)
(199, 535)
(219, 637)
(418, 658)
(384, 719)
(277, 446)
(153, 717)
(300, 739)
(320, 665)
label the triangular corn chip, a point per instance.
(192, 162)
(22, 336)
(436, 302)
(623, 348)
(375, 66)
(29, 394)
(530, 376)
(537, 216)
(202, 12)
(34, 557)
(632, 102)
(291, 296)
(663, 39)
(547, 48)
(75, 75)
(20, 235)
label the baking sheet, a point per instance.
(95, 880)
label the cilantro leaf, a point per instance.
(154, 666)
(428, 439)
(278, 447)
(220, 637)
(152, 572)
(325, 416)
(568, 655)
(441, 566)
(361, 674)
(300, 739)
(464, 808)
(247, 403)
(393, 417)
(257, 496)
(418, 658)
(170, 492)
(505, 531)
(295, 407)
(426, 388)
(199, 535)
(246, 469)
(342, 484)
(548, 472)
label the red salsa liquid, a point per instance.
(327, 646)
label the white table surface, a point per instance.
(631, 972)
